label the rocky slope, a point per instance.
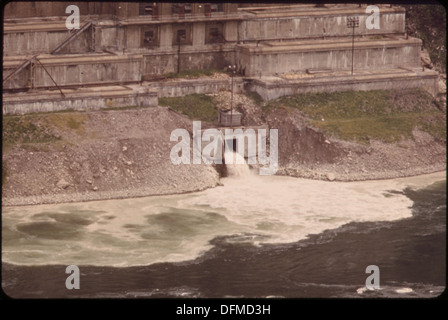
(125, 153)
(118, 154)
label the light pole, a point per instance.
(353, 22)
(178, 52)
(232, 69)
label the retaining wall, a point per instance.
(80, 100)
(273, 89)
(278, 58)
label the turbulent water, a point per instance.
(255, 236)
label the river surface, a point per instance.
(255, 236)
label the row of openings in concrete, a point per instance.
(182, 34)
(179, 9)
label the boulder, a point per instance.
(63, 184)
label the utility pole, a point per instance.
(232, 69)
(178, 52)
(353, 22)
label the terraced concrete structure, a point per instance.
(278, 50)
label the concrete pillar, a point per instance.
(165, 8)
(199, 34)
(231, 31)
(133, 37)
(166, 36)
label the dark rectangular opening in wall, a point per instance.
(217, 7)
(214, 33)
(149, 9)
(210, 8)
(187, 8)
(150, 37)
(181, 9)
(207, 10)
(234, 146)
(181, 34)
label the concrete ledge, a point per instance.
(80, 99)
(72, 59)
(182, 87)
(299, 56)
(270, 88)
(312, 11)
(326, 45)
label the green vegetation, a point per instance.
(428, 22)
(195, 106)
(39, 127)
(73, 121)
(255, 97)
(361, 116)
(191, 74)
(24, 129)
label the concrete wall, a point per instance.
(111, 38)
(38, 42)
(88, 99)
(85, 69)
(18, 9)
(270, 90)
(78, 70)
(156, 64)
(107, 35)
(29, 103)
(300, 27)
(263, 60)
(199, 86)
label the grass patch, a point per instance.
(386, 115)
(74, 121)
(434, 126)
(40, 128)
(25, 129)
(195, 106)
(255, 97)
(191, 74)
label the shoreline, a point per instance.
(116, 156)
(67, 198)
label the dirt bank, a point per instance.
(308, 153)
(116, 154)
(125, 153)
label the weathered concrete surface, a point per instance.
(277, 57)
(270, 88)
(79, 99)
(303, 23)
(306, 37)
(182, 87)
(145, 94)
(75, 70)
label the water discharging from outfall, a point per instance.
(253, 210)
(236, 165)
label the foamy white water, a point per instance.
(236, 165)
(143, 231)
